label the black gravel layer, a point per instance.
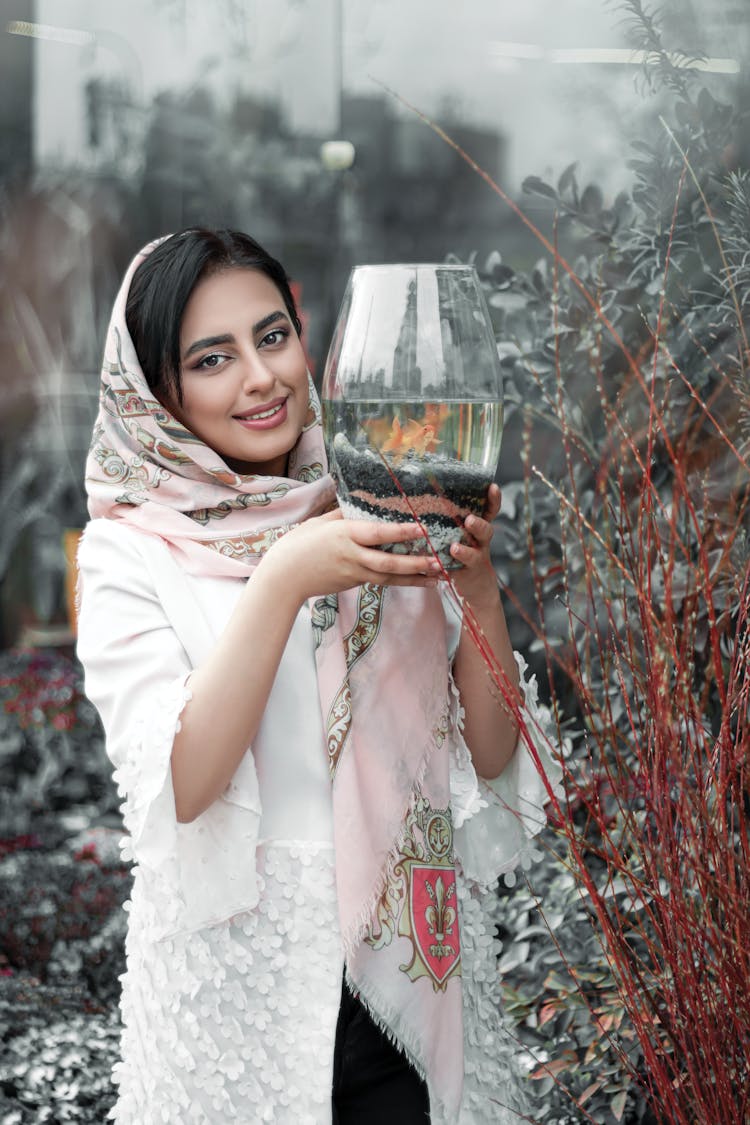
(463, 484)
(377, 512)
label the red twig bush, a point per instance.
(629, 408)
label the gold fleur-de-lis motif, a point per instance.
(440, 917)
(420, 899)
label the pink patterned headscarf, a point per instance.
(384, 686)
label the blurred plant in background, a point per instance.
(628, 953)
(60, 246)
(51, 746)
(62, 887)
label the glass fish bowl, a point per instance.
(412, 400)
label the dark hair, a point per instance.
(163, 282)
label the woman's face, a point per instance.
(243, 372)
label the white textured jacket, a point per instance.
(144, 624)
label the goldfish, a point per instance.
(416, 437)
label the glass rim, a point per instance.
(414, 266)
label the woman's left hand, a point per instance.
(476, 580)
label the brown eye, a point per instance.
(212, 360)
(273, 338)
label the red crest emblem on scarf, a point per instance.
(434, 919)
(420, 900)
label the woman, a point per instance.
(300, 799)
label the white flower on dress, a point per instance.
(231, 1064)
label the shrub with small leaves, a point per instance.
(51, 746)
(62, 888)
(628, 413)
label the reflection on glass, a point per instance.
(413, 399)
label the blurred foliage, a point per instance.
(51, 745)
(60, 254)
(62, 888)
(572, 406)
(57, 1066)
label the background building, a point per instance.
(121, 122)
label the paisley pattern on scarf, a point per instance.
(238, 504)
(369, 616)
(356, 643)
(142, 457)
(323, 615)
(310, 473)
(134, 475)
(338, 725)
(245, 549)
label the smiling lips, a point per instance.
(265, 417)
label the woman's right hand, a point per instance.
(328, 554)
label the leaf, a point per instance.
(517, 953)
(546, 1084)
(618, 1103)
(555, 983)
(536, 186)
(565, 1061)
(706, 106)
(539, 282)
(494, 258)
(502, 275)
(640, 167)
(548, 1012)
(567, 178)
(591, 1052)
(592, 200)
(590, 1090)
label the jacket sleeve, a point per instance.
(137, 674)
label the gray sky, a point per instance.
(427, 50)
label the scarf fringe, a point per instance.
(383, 1015)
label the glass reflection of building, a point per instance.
(469, 373)
(407, 375)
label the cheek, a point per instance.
(297, 370)
(201, 399)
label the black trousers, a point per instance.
(373, 1082)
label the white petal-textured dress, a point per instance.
(234, 963)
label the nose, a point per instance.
(257, 376)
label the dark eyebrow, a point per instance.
(208, 342)
(270, 319)
(213, 341)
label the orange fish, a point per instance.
(413, 436)
(435, 413)
(398, 440)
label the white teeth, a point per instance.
(264, 414)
